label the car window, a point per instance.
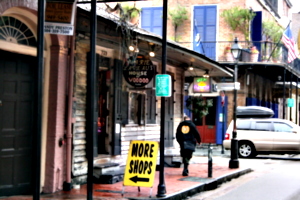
(282, 127)
(262, 126)
(243, 125)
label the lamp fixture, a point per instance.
(236, 49)
(206, 74)
(151, 54)
(191, 67)
(152, 49)
(133, 47)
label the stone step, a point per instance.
(108, 173)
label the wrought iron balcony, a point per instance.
(267, 52)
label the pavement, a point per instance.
(178, 187)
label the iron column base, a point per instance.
(234, 162)
(161, 190)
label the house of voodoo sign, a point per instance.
(138, 72)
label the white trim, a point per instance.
(18, 48)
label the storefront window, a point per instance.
(136, 108)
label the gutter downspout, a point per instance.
(67, 186)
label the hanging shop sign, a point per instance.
(138, 72)
(201, 85)
(59, 17)
(141, 164)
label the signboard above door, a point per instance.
(59, 17)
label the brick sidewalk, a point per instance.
(177, 186)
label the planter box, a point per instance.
(245, 57)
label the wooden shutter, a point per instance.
(205, 19)
(151, 19)
(117, 107)
(151, 107)
(256, 30)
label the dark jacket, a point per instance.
(187, 135)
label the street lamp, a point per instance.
(234, 162)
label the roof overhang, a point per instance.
(177, 55)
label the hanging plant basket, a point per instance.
(199, 105)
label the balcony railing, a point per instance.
(267, 52)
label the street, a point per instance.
(274, 177)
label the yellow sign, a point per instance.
(141, 164)
(59, 12)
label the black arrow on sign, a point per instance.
(136, 179)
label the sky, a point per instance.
(296, 5)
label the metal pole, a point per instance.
(40, 71)
(291, 96)
(161, 189)
(91, 100)
(297, 105)
(223, 124)
(234, 162)
(283, 103)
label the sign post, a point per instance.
(141, 164)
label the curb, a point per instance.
(213, 184)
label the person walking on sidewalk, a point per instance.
(187, 136)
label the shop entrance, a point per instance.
(102, 113)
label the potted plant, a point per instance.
(131, 13)
(272, 31)
(177, 15)
(228, 54)
(276, 55)
(254, 54)
(239, 19)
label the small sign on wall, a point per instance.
(163, 85)
(290, 102)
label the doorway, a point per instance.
(102, 114)
(17, 100)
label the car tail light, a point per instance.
(227, 136)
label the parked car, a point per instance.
(264, 136)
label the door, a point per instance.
(16, 122)
(260, 134)
(207, 124)
(286, 137)
(205, 29)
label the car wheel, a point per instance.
(246, 150)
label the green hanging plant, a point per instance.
(198, 105)
(131, 11)
(178, 15)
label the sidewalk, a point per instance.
(177, 186)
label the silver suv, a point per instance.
(264, 136)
